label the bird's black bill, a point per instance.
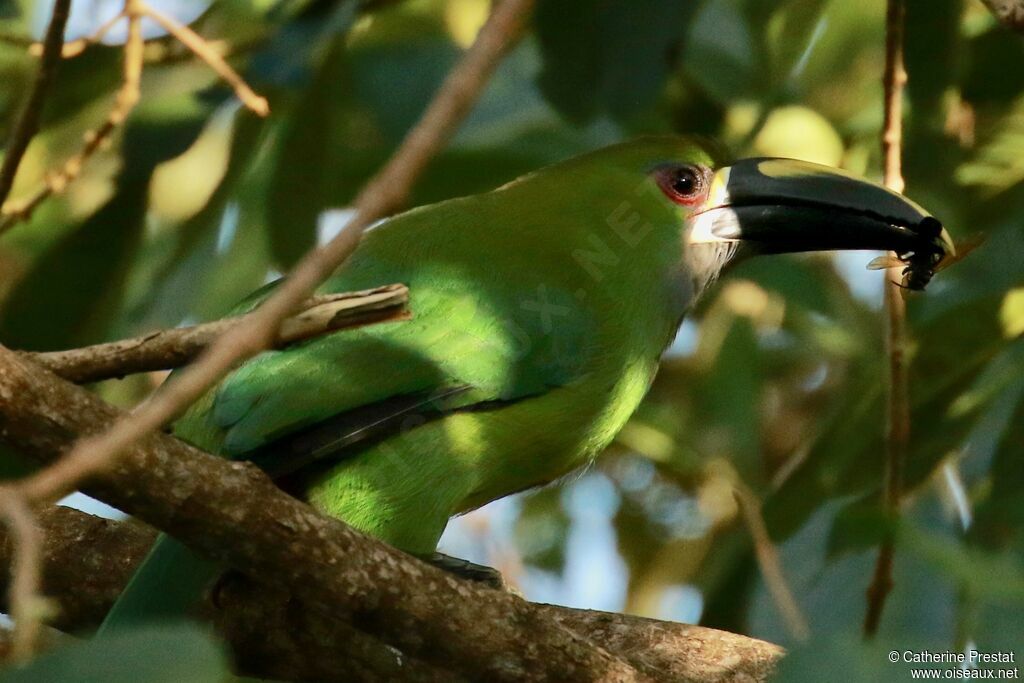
(781, 205)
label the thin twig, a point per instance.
(898, 428)
(28, 122)
(168, 349)
(73, 48)
(201, 48)
(124, 101)
(768, 562)
(127, 97)
(131, 91)
(27, 606)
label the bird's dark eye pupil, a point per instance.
(684, 182)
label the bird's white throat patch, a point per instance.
(720, 224)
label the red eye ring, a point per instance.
(685, 184)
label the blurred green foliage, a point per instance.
(155, 654)
(780, 387)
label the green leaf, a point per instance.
(860, 525)
(840, 657)
(156, 654)
(93, 75)
(720, 51)
(300, 186)
(996, 577)
(72, 292)
(398, 80)
(729, 401)
(1000, 516)
(998, 164)
(173, 266)
(930, 23)
(1005, 371)
(244, 265)
(791, 36)
(986, 80)
(614, 60)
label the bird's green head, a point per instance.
(721, 211)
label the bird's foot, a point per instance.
(470, 571)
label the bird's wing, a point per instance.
(325, 397)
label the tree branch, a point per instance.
(27, 608)
(232, 513)
(898, 436)
(194, 42)
(168, 349)
(28, 123)
(87, 560)
(768, 561)
(667, 651)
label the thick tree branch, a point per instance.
(28, 122)
(87, 560)
(231, 512)
(168, 349)
(667, 651)
(898, 428)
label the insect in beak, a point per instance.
(919, 268)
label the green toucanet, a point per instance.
(540, 311)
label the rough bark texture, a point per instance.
(168, 349)
(87, 561)
(668, 651)
(405, 619)
(231, 512)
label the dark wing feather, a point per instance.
(341, 435)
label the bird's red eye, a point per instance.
(686, 185)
